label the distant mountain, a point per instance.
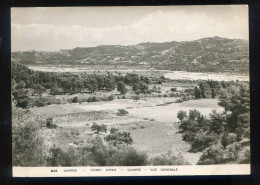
(213, 54)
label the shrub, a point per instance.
(228, 138)
(182, 115)
(213, 155)
(128, 156)
(58, 157)
(40, 103)
(75, 99)
(113, 130)
(174, 89)
(49, 123)
(168, 159)
(92, 99)
(119, 138)
(217, 154)
(122, 112)
(172, 95)
(136, 98)
(111, 97)
(188, 136)
(202, 141)
(98, 128)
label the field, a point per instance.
(152, 122)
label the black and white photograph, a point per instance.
(130, 90)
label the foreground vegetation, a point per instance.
(101, 148)
(222, 138)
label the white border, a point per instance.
(233, 169)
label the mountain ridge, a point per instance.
(211, 54)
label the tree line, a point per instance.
(68, 83)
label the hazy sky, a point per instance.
(52, 29)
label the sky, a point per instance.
(55, 28)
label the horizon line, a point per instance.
(127, 45)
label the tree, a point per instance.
(121, 87)
(181, 115)
(21, 98)
(98, 128)
(28, 147)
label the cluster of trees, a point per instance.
(61, 83)
(224, 137)
(215, 89)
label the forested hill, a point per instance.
(204, 55)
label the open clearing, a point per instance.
(153, 126)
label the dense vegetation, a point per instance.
(24, 79)
(224, 137)
(209, 55)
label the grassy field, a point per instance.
(154, 128)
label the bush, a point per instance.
(128, 156)
(98, 128)
(58, 157)
(174, 89)
(122, 112)
(168, 159)
(182, 115)
(119, 138)
(40, 103)
(213, 155)
(217, 154)
(49, 123)
(136, 98)
(202, 141)
(75, 99)
(111, 97)
(113, 130)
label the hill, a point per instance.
(213, 54)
